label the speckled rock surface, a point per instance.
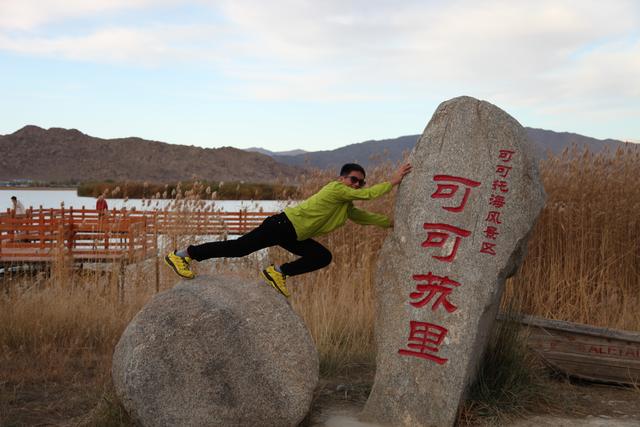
(462, 220)
(216, 352)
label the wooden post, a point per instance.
(41, 229)
(158, 255)
(131, 235)
(121, 280)
(156, 249)
(5, 281)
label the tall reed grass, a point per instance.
(234, 190)
(60, 325)
(583, 263)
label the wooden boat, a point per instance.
(583, 351)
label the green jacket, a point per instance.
(330, 207)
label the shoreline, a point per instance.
(18, 188)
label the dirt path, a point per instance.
(338, 403)
(583, 404)
(348, 417)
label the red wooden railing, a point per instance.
(86, 234)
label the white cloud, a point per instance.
(518, 51)
(496, 47)
(153, 46)
(29, 14)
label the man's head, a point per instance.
(14, 199)
(352, 175)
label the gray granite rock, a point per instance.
(462, 220)
(216, 352)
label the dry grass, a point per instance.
(583, 263)
(58, 328)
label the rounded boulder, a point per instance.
(216, 352)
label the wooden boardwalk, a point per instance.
(41, 235)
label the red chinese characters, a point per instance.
(424, 338)
(505, 155)
(433, 286)
(488, 248)
(439, 234)
(491, 232)
(493, 217)
(500, 185)
(502, 171)
(424, 341)
(497, 201)
(448, 187)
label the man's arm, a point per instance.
(360, 216)
(346, 193)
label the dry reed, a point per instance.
(583, 262)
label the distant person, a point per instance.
(17, 208)
(294, 228)
(101, 205)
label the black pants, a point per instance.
(275, 230)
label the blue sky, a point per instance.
(286, 74)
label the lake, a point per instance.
(54, 198)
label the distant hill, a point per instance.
(68, 155)
(364, 153)
(371, 152)
(556, 142)
(276, 153)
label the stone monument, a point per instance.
(462, 221)
(216, 352)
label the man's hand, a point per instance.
(397, 177)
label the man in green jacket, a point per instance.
(295, 228)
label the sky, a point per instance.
(315, 75)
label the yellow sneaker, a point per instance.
(275, 279)
(180, 265)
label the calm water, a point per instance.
(54, 198)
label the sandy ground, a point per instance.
(348, 417)
(342, 418)
(337, 404)
(583, 404)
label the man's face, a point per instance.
(354, 179)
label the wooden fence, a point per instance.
(123, 235)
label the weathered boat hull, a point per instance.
(584, 351)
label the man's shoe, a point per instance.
(180, 265)
(275, 279)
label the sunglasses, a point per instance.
(356, 180)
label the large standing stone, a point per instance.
(216, 352)
(462, 219)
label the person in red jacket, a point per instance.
(101, 205)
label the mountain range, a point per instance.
(68, 155)
(373, 151)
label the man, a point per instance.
(18, 208)
(295, 228)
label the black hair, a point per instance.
(14, 198)
(350, 167)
